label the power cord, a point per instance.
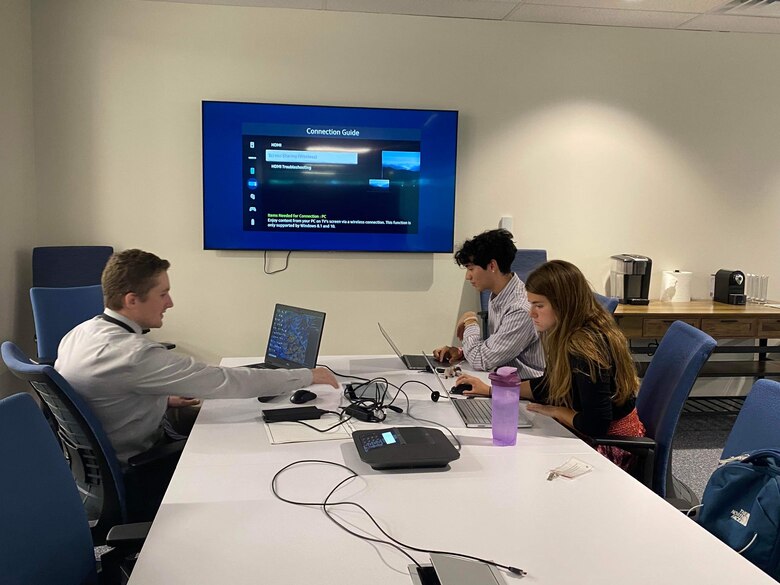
(265, 263)
(393, 542)
(375, 407)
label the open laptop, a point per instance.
(412, 362)
(294, 340)
(475, 412)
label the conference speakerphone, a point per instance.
(404, 448)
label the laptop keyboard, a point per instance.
(475, 410)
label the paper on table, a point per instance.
(292, 432)
(572, 468)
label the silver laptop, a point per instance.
(412, 362)
(477, 413)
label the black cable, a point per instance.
(324, 504)
(341, 422)
(265, 263)
(433, 422)
(377, 405)
(395, 543)
(335, 373)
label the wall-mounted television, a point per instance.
(296, 177)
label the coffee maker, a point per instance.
(629, 278)
(730, 287)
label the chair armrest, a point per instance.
(125, 540)
(643, 447)
(162, 452)
(633, 444)
(128, 535)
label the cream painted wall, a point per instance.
(17, 192)
(596, 140)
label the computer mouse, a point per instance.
(301, 396)
(460, 388)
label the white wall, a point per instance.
(597, 140)
(17, 193)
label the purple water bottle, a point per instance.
(505, 392)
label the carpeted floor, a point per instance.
(696, 448)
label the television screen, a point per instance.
(291, 177)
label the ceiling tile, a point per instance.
(305, 4)
(482, 9)
(748, 24)
(599, 16)
(690, 6)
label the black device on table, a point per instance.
(302, 396)
(404, 447)
(460, 388)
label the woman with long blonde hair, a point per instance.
(590, 382)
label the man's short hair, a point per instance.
(130, 271)
(490, 245)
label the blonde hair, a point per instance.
(584, 329)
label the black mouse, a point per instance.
(301, 396)
(460, 388)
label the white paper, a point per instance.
(572, 468)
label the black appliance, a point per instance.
(629, 278)
(730, 287)
(404, 447)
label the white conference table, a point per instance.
(220, 523)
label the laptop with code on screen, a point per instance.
(294, 340)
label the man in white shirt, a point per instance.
(513, 340)
(129, 380)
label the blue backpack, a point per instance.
(741, 506)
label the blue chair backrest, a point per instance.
(45, 536)
(609, 303)
(61, 266)
(93, 460)
(58, 310)
(758, 423)
(665, 387)
(525, 262)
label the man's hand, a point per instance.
(478, 387)
(446, 354)
(181, 402)
(323, 376)
(466, 318)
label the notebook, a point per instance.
(412, 362)
(294, 340)
(477, 412)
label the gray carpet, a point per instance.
(696, 448)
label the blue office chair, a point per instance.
(609, 303)
(45, 537)
(63, 266)
(667, 383)
(525, 262)
(758, 422)
(58, 310)
(102, 483)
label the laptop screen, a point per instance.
(294, 341)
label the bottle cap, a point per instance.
(506, 376)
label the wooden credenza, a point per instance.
(757, 322)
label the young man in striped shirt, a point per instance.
(513, 340)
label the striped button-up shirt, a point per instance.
(512, 335)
